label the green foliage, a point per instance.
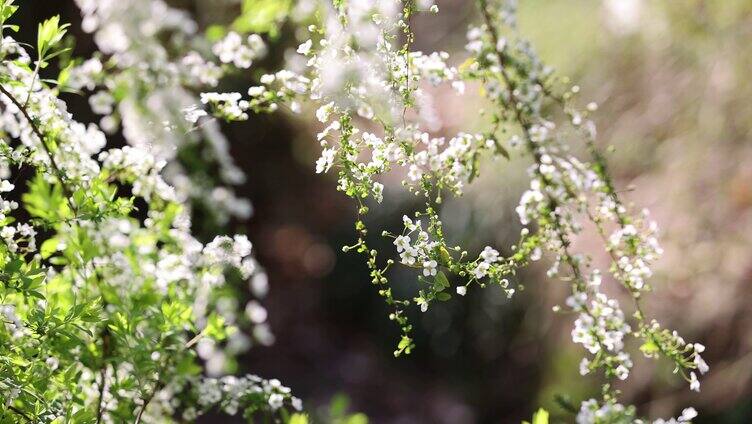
(256, 16)
(262, 16)
(102, 304)
(539, 417)
(338, 412)
(7, 9)
(49, 36)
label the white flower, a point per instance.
(378, 192)
(584, 366)
(255, 312)
(694, 383)
(402, 243)
(415, 173)
(276, 400)
(112, 39)
(409, 224)
(305, 48)
(256, 90)
(622, 372)
(536, 254)
(52, 363)
(701, 365)
(489, 255)
(409, 255)
(325, 161)
(242, 246)
(6, 186)
(7, 232)
(480, 270)
(193, 113)
(324, 112)
(226, 48)
(461, 290)
(429, 268)
(101, 103)
(688, 414)
(232, 50)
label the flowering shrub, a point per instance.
(109, 304)
(113, 308)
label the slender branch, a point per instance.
(103, 372)
(20, 412)
(558, 226)
(529, 141)
(147, 400)
(42, 140)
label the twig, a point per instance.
(103, 371)
(47, 150)
(147, 400)
(20, 412)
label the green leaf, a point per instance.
(405, 346)
(7, 9)
(540, 417)
(13, 266)
(49, 34)
(45, 201)
(58, 260)
(215, 33)
(298, 419)
(338, 405)
(261, 16)
(443, 296)
(215, 327)
(566, 403)
(49, 247)
(649, 348)
(445, 257)
(358, 418)
(36, 294)
(441, 279)
(64, 75)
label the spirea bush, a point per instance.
(113, 310)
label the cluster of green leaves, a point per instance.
(336, 413)
(256, 16)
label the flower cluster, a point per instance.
(591, 412)
(145, 86)
(108, 308)
(359, 75)
(230, 394)
(601, 328)
(231, 49)
(371, 93)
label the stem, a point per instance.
(20, 412)
(46, 148)
(33, 80)
(579, 282)
(103, 371)
(147, 400)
